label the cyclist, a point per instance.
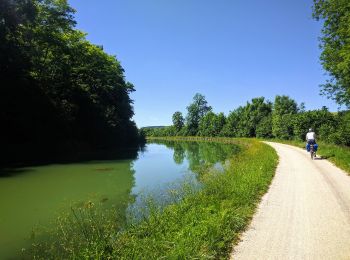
(311, 140)
(311, 137)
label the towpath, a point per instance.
(304, 215)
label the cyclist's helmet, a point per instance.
(310, 130)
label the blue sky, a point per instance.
(228, 50)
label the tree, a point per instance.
(243, 121)
(230, 129)
(256, 111)
(331, 127)
(195, 112)
(211, 124)
(58, 92)
(282, 117)
(178, 121)
(264, 128)
(219, 124)
(319, 120)
(15, 18)
(342, 133)
(335, 44)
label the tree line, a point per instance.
(59, 93)
(282, 119)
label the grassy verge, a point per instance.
(339, 155)
(203, 224)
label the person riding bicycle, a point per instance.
(311, 140)
(311, 137)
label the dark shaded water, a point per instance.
(32, 197)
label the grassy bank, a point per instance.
(339, 155)
(203, 224)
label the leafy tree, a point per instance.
(282, 117)
(219, 124)
(257, 110)
(59, 92)
(178, 120)
(184, 131)
(340, 134)
(230, 129)
(335, 44)
(344, 129)
(314, 119)
(239, 121)
(206, 125)
(211, 124)
(264, 127)
(195, 112)
(284, 105)
(243, 121)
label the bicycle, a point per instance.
(312, 152)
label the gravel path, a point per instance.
(304, 215)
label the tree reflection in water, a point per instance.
(204, 159)
(200, 154)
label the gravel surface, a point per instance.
(304, 215)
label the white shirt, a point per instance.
(310, 136)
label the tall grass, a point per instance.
(203, 224)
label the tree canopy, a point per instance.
(283, 110)
(195, 112)
(335, 44)
(178, 120)
(59, 92)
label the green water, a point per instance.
(31, 198)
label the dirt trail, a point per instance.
(304, 215)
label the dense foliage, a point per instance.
(282, 119)
(195, 113)
(59, 93)
(178, 120)
(335, 44)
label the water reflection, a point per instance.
(162, 170)
(200, 153)
(41, 193)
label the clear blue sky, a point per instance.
(228, 50)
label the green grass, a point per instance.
(339, 155)
(204, 224)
